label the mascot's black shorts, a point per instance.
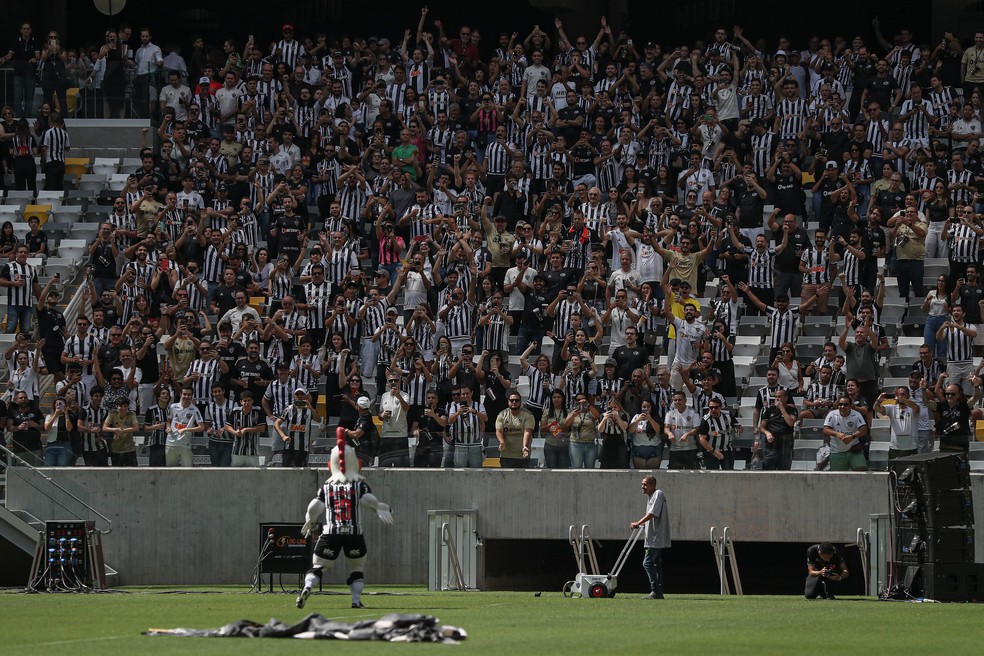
(329, 546)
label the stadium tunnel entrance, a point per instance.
(766, 568)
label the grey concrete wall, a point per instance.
(201, 526)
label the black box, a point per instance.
(943, 581)
(943, 545)
(284, 550)
(935, 472)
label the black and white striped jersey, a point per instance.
(245, 445)
(459, 320)
(217, 416)
(756, 106)
(717, 430)
(281, 395)
(209, 373)
(964, 243)
(783, 324)
(700, 400)
(959, 345)
(289, 52)
(55, 144)
(964, 177)
(917, 126)
(154, 415)
(342, 509)
(317, 298)
(792, 117)
(82, 347)
(761, 267)
(828, 393)
(817, 264)
(467, 428)
(763, 148)
(93, 417)
(541, 385)
(213, 264)
(296, 423)
(22, 295)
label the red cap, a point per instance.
(287, 26)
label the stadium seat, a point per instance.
(804, 465)
(10, 212)
(85, 231)
(65, 267)
(94, 183)
(66, 214)
(41, 212)
(52, 198)
(891, 383)
(913, 326)
(105, 165)
(19, 194)
(76, 165)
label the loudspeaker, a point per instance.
(943, 581)
(939, 510)
(934, 472)
(942, 545)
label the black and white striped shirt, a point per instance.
(964, 243)
(783, 325)
(83, 348)
(828, 393)
(217, 416)
(876, 133)
(296, 424)
(959, 345)
(817, 265)
(209, 370)
(154, 415)
(245, 445)
(466, 429)
(290, 52)
(55, 144)
(792, 117)
(917, 126)
(281, 395)
(459, 320)
(93, 417)
(342, 508)
(23, 295)
(964, 177)
(761, 267)
(763, 147)
(718, 430)
(317, 298)
(540, 387)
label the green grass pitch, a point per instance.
(500, 623)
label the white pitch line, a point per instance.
(66, 642)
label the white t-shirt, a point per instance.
(905, 425)
(516, 299)
(688, 336)
(680, 423)
(396, 424)
(849, 424)
(180, 418)
(171, 97)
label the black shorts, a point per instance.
(328, 546)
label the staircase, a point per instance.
(40, 495)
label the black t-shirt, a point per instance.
(890, 202)
(814, 560)
(970, 297)
(35, 241)
(289, 230)
(230, 354)
(582, 160)
(789, 195)
(26, 440)
(103, 262)
(50, 324)
(535, 309)
(954, 425)
(788, 260)
(736, 262)
(629, 359)
(750, 204)
(253, 372)
(225, 297)
(571, 132)
(881, 89)
(776, 424)
(556, 280)
(431, 432)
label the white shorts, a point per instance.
(177, 456)
(245, 461)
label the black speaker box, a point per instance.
(944, 545)
(935, 472)
(284, 549)
(943, 581)
(939, 510)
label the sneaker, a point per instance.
(652, 595)
(302, 598)
(357, 604)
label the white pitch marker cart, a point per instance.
(594, 585)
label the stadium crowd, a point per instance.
(449, 245)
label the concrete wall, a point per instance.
(201, 526)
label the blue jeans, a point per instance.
(910, 272)
(220, 453)
(468, 455)
(652, 562)
(19, 314)
(59, 454)
(583, 455)
(24, 86)
(103, 284)
(392, 268)
(528, 334)
(937, 348)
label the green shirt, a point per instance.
(860, 362)
(405, 152)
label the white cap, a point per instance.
(363, 402)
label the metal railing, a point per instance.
(64, 496)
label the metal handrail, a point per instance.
(447, 540)
(36, 470)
